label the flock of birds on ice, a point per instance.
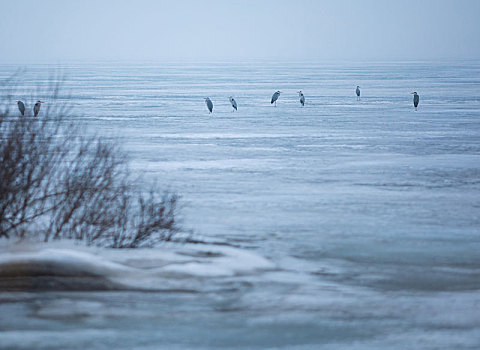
(209, 103)
(301, 96)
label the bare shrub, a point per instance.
(57, 183)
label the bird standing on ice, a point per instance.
(36, 108)
(275, 96)
(358, 93)
(209, 104)
(302, 98)
(21, 107)
(234, 103)
(416, 99)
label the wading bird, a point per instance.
(36, 108)
(21, 107)
(275, 96)
(416, 99)
(209, 104)
(358, 93)
(234, 103)
(302, 98)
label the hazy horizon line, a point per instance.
(4, 61)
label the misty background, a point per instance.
(56, 31)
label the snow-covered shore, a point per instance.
(69, 266)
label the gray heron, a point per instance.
(302, 98)
(21, 107)
(234, 103)
(36, 108)
(209, 104)
(358, 93)
(275, 96)
(416, 99)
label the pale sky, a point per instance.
(189, 30)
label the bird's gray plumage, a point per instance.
(416, 99)
(21, 107)
(209, 104)
(275, 96)
(302, 98)
(357, 91)
(233, 102)
(36, 108)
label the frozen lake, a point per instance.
(343, 224)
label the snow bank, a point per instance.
(66, 266)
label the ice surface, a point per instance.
(339, 225)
